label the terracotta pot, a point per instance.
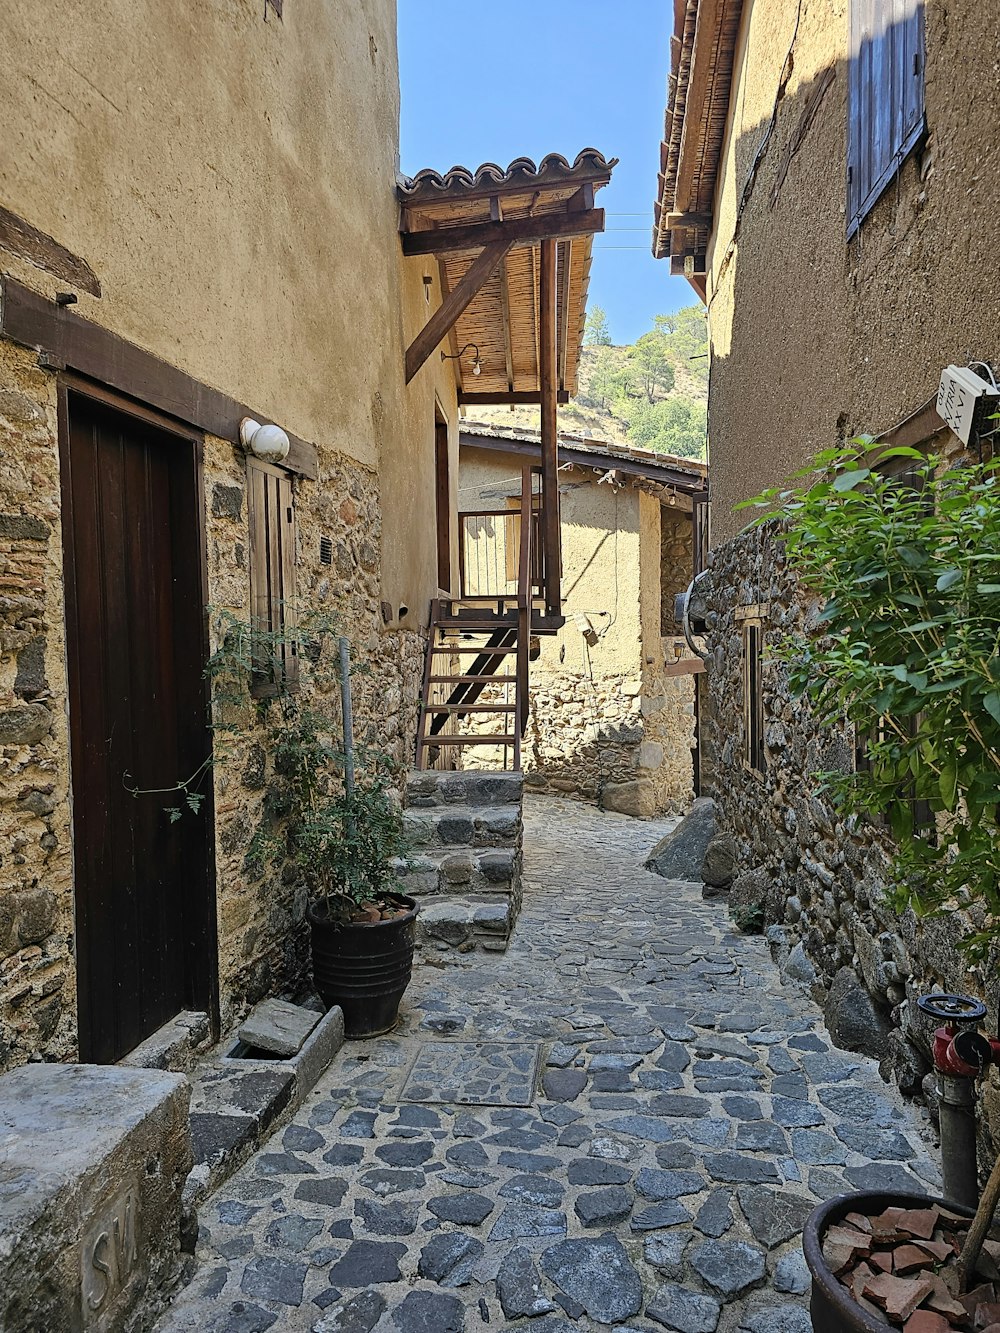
(832, 1307)
(364, 966)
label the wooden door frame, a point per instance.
(206, 936)
(442, 498)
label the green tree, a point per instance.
(671, 426)
(651, 364)
(612, 381)
(686, 335)
(597, 332)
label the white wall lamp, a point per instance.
(477, 363)
(269, 443)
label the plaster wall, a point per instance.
(813, 336)
(229, 178)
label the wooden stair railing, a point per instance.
(504, 633)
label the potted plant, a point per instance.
(332, 819)
(904, 573)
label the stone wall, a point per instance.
(262, 939)
(676, 563)
(37, 998)
(818, 879)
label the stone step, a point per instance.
(466, 924)
(441, 827)
(427, 789)
(460, 870)
(241, 1094)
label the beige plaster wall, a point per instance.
(814, 336)
(604, 725)
(229, 177)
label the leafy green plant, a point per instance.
(749, 919)
(341, 842)
(906, 646)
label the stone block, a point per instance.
(30, 678)
(854, 1022)
(278, 1027)
(25, 724)
(23, 527)
(636, 798)
(172, 1046)
(94, 1164)
(498, 866)
(719, 866)
(681, 854)
(649, 755)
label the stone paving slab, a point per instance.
(688, 1113)
(465, 1073)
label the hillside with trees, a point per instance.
(652, 393)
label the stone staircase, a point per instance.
(464, 865)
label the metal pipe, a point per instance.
(347, 713)
(958, 1139)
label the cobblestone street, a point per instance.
(622, 1122)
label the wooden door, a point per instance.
(442, 502)
(135, 636)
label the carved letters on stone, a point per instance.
(110, 1257)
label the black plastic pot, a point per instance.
(364, 967)
(832, 1307)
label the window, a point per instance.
(885, 97)
(272, 573)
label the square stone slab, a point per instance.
(278, 1027)
(467, 1073)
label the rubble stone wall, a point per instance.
(802, 867)
(262, 936)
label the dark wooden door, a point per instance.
(132, 541)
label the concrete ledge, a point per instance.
(93, 1160)
(237, 1103)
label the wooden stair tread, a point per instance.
(479, 651)
(431, 741)
(450, 680)
(470, 708)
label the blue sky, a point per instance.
(483, 82)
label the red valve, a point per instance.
(964, 1053)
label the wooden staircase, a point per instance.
(475, 681)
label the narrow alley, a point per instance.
(623, 1121)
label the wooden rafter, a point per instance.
(505, 314)
(513, 231)
(517, 396)
(565, 256)
(448, 312)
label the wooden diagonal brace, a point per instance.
(448, 312)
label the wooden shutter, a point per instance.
(272, 572)
(885, 97)
(753, 696)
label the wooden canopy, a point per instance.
(485, 230)
(702, 51)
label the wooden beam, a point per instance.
(70, 342)
(519, 397)
(666, 474)
(479, 273)
(673, 221)
(508, 354)
(548, 369)
(515, 231)
(562, 330)
(27, 242)
(442, 264)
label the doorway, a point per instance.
(133, 550)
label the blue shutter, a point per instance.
(885, 97)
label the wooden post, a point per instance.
(548, 358)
